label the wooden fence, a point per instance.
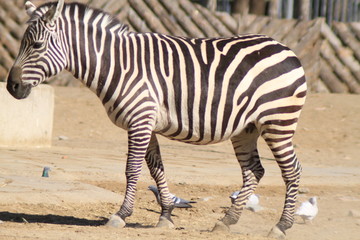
(330, 55)
(335, 10)
(331, 10)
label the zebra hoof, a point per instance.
(165, 223)
(116, 222)
(276, 233)
(220, 227)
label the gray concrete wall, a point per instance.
(27, 122)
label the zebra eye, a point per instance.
(37, 45)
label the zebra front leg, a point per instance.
(245, 147)
(156, 168)
(138, 142)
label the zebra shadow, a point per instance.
(50, 219)
(59, 220)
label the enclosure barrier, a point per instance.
(27, 122)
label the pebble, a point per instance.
(349, 199)
(205, 199)
(63, 137)
(354, 213)
(304, 190)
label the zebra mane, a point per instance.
(42, 9)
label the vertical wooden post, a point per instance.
(329, 15)
(240, 6)
(257, 7)
(323, 7)
(314, 9)
(343, 11)
(305, 10)
(289, 9)
(337, 10)
(212, 5)
(274, 6)
(355, 14)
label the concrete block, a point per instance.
(27, 122)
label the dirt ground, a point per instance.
(87, 182)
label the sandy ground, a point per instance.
(86, 184)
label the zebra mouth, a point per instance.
(15, 85)
(18, 90)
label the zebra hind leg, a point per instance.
(245, 146)
(279, 138)
(156, 168)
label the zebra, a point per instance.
(193, 90)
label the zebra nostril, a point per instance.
(16, 86)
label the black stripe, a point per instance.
(74, 40)
(82, 39)
(105, 61)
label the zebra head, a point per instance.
(41, 53)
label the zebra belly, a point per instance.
(194, 140)
(194, 133)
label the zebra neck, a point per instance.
(93, 39)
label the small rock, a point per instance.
(304, 190)
(354, 213)
(181, 183)
(63, 138)
(205, 199)
(349, 199)
(1, 222)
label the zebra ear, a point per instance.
(54, 12)
(30, 8)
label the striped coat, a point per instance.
(198, 91)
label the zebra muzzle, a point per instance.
(15, 86)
